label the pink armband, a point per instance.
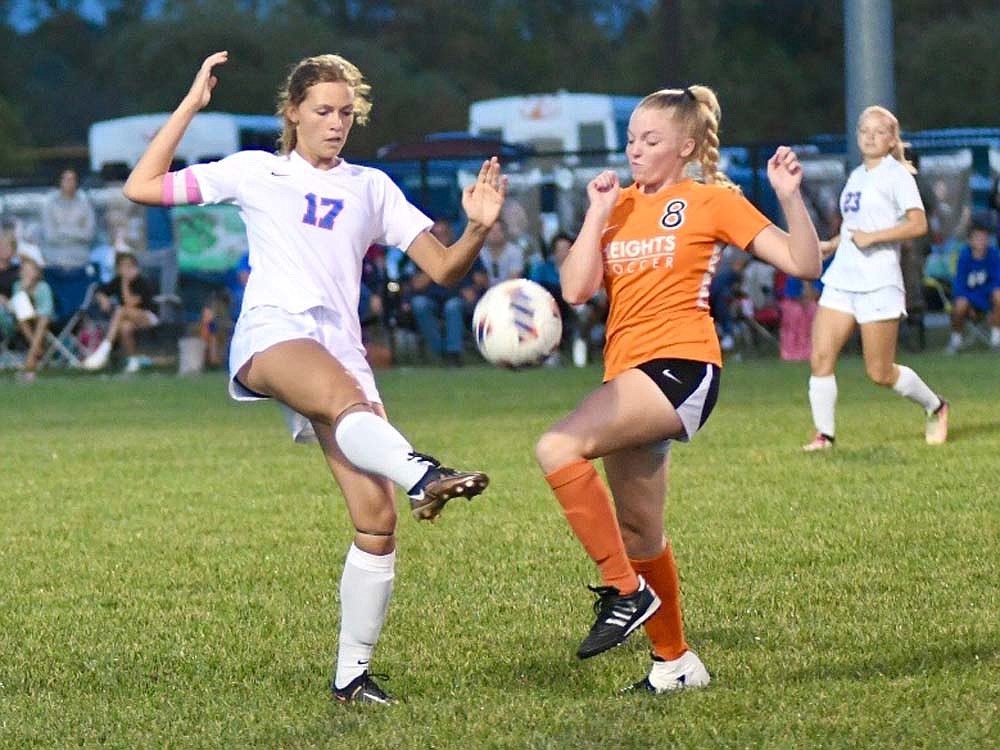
(180, 189)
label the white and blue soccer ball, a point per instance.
(517, 323)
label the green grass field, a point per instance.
(169, 565)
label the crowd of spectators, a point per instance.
(752, 305)
(398, 297)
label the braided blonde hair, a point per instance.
(319, 69)
(898, 149)
(696, 109)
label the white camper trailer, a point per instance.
(556, 123)
(119, 143)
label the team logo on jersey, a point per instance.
(673, 213)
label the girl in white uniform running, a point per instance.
(881, 207)
(310, 217)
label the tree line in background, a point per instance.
(777, 65)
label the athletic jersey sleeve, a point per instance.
(399, 220)
(905, 192)
(737, 220)
(213, 182)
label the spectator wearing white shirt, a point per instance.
(68, 226)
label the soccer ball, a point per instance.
(516, 323)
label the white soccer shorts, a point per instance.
(262, 327)
(884, 303)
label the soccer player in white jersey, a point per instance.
(863, 285)
(310, 218)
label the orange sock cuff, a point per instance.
(645, 564)
(568, 473)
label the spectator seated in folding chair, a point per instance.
(976, 290)
(9, 273)
(33, 307)
(723, 293)
(742, 301)
(128, 298)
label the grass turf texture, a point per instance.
(169, 564)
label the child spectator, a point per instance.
(32, 304)
(976, 288)
(128, 297)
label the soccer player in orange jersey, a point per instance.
(655, 246)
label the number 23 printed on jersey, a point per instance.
(852, 202)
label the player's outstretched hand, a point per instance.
(201, 89)
(784, 172)
(603, 191)
(483, 199)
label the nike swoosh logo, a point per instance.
(363, 662)
(668, 374)
(279, 174)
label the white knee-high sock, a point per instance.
(375, 446)
(823, 400)
(910, 385)
(365, 589)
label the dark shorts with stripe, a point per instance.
(692, 388)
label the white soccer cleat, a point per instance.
(686, 671)
(937, 425)
(819, 443)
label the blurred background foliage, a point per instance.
(777, 65)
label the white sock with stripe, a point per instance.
(823, 400)
(365, 589)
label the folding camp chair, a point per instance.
(755, 330)
(70, 345)
(9, 359)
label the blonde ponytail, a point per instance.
(708, 151)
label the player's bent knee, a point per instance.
(379, 522)
(339, 411)
(821, 364)
(884, 378)
(554, 450)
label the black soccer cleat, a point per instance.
(617, 617)
(363, 689)
(441, 484)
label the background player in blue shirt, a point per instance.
(976, 289)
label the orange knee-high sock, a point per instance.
(587, 506)
(665, 628)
